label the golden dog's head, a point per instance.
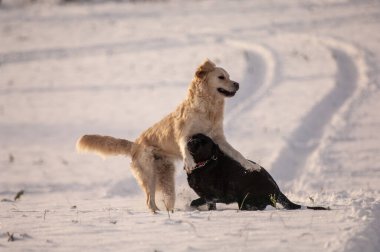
(216, 80)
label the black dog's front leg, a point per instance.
(211, 206)
(198, 202)
(201, 201)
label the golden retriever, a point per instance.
(155, 150)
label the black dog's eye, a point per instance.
(221, 77)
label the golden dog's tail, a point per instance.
(104, 145)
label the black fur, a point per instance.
(218, 178)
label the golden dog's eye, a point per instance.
(221, 77)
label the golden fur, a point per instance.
(155, 150)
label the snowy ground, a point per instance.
(308, 111)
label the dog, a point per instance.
(154, 151)
(217, 178)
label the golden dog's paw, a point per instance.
(189, 163)
(250, 166)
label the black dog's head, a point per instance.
(201, 147)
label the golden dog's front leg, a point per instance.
(187, 157)
(234, 154)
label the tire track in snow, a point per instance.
(89, 50)
(90, 88)
(258, 78)
(349, 79)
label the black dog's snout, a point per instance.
(236, 85)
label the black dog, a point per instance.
(218, 178)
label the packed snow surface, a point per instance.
(307, 110)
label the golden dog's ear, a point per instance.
(205, 68)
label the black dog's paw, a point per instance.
(198, 202)
(211, 206)
(201, 202)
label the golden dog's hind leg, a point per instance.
(144, 172)
(147, 183)
(150, 192)
(166, 181)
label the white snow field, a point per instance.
(308, 111)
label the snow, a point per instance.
(307, 111)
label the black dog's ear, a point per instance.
(204, 69)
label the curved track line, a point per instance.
(366, 78)
(89, 50)
(350, 77)
(91, 88)
(259, 76)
